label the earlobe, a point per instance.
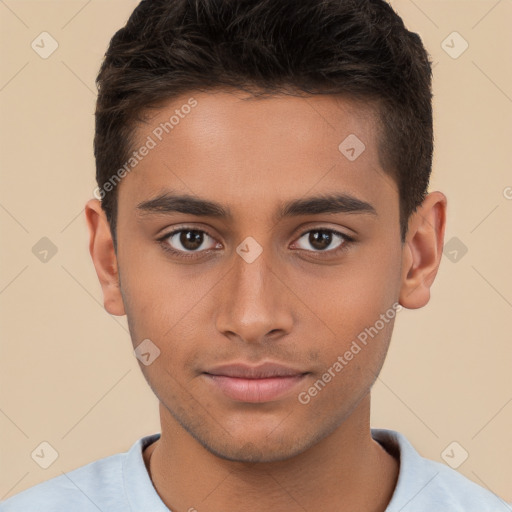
(423, 250)
(101, 248)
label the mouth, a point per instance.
(263, 383)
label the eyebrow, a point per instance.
(169, 202)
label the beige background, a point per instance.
(68, 375)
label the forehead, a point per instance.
(243, 151)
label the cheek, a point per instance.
(342, 301)
(352, 310)
(157, 294)
(351, 365)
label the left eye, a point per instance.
(321, 239)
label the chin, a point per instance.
(257, 449)
(251, 453)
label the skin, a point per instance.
(295, 304)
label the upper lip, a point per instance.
(261, 371)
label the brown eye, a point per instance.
(188, 240)
(323, 240)
(191, 240)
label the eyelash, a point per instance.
(347, 241)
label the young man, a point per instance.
(263, 169)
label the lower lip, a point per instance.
(255, 390)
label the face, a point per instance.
(258, 297)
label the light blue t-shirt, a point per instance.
(120, 483)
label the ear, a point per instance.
(101, 248)
(422, 251)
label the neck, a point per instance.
(345, 471)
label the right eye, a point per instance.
(187, 242)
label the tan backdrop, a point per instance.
(68, 375)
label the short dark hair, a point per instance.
(359, 49)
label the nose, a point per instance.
(254, 302)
